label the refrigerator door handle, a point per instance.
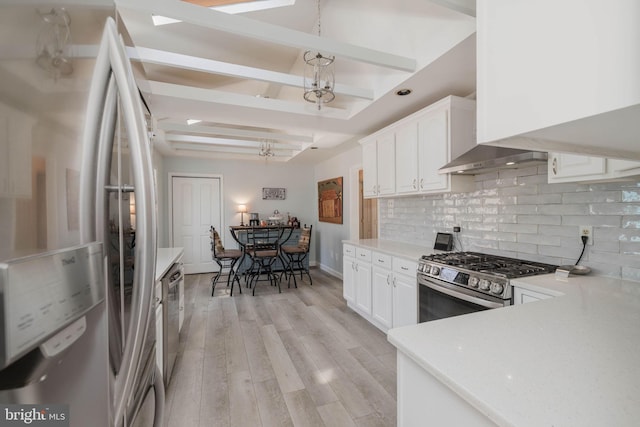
(112, 60)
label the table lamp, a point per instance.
(243, 210)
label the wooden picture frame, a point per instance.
(330, 200)
(274, 193)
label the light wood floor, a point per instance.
(299, 358)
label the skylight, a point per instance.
(250, 6)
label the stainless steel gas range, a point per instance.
(455, 283)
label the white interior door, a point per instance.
(196, 206)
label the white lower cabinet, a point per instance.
(363, 286)
(356, 278)
(523, 296)
(348, 279)
(380, 287)
(405, 292)
(382, 290)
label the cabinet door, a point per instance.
(563, 165)
(523, 296)
(348, 279)
(369, 169)
(386, 164)
(623, 168)
(382, 296)
(405, 300)
(363, 287)
(406, 159)
(433, 150)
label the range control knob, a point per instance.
(435, 270)
(485, 284)
(496, 288)
(473, 281)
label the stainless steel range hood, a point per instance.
(486, 158)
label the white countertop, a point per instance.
(165, 258)
(401, 249)
(572, 360)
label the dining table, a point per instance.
(271, 235)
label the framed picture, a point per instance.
(330, 200)
(274, 193)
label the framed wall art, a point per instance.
(330, 200)
(274, 193)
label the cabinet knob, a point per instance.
(421, 183)
(554, 165)
(414, 184)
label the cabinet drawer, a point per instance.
(405, 266)
(363, 254)
(381, 260)
(349, 250)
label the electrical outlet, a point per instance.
(456, 229)
(586, 230)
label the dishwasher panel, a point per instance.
(171, 311)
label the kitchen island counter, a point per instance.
(390, 247)
(165, 259)
(571, 360)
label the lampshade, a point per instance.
(242, 208)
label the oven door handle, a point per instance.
(463, 296)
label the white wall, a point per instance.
(329, 237)
(242, 184)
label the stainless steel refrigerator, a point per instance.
(77, 221)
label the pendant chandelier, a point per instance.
(319, 79)
(266, 149)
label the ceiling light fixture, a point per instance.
(266, 149)
(319, 78)
(403, 92)
(53, 42)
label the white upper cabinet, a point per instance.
(370, 168)
(378, 163)
(576, 168)
(386, 164)
(560, 75)
(411, 151)
(406, 159)
(433, 150)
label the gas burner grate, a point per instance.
(490, 264)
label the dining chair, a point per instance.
(226, 259)
(296, 256)
(263, 249)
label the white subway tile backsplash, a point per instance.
(592, 197)
(541, 219)
(517, 213)
(594, 219)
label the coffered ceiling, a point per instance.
(240, 72)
